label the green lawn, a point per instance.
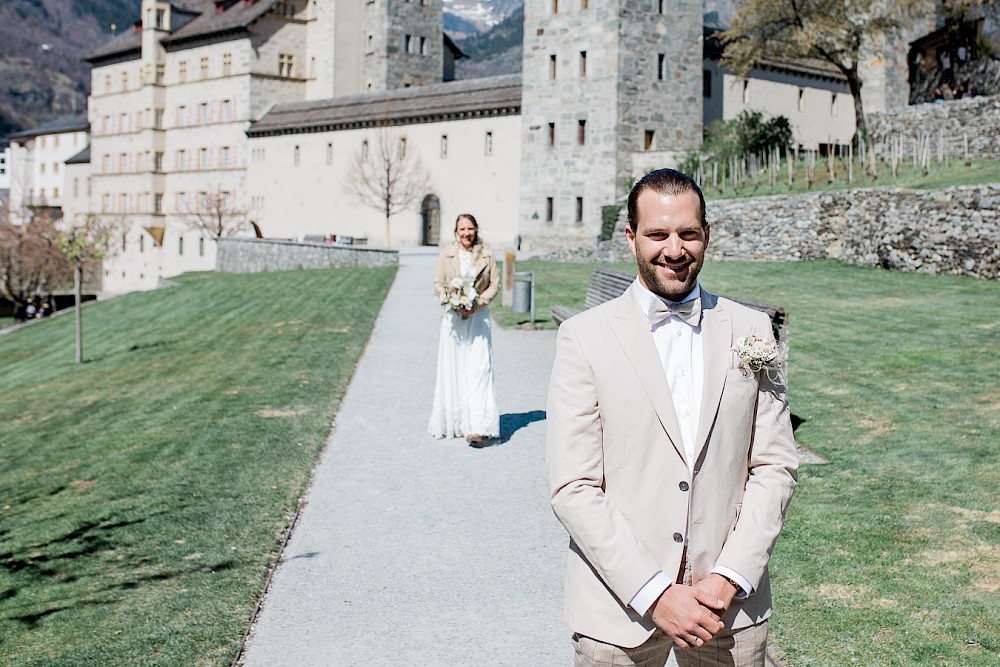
(891, 552)
(143, 493)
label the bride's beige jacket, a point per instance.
(484, 267)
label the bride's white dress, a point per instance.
(465, 400)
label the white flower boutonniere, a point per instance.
(757, 354)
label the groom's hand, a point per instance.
(717, 586)
(685, 614)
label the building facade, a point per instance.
(36, 168)
(250, 114)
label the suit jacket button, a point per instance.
(683, 486)
(678, 537)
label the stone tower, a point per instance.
(611, 90)
(403, 43)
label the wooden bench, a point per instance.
(606, 284)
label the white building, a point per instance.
(36, 164)
(263, 104)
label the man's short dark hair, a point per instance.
(665, 182)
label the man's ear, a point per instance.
(630, 236)
(707, 230)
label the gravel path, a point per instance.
(415, 551)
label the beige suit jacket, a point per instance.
(618, 477)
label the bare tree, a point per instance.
(839, 32)
(215, 214)
(387, 177)
(31, 263)
(88, 241)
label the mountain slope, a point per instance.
(42, 43)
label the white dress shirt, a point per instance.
(680, 348)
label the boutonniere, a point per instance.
(757, 354)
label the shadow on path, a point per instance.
(511, 423)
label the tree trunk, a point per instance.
(854, 83)
(77, 293)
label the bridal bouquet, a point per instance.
(458, 294)
(757, 354)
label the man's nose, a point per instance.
(673, 248)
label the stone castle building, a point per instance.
(255, 112)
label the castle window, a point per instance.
(833, 104)
(203, 158)
(552, 66)
(489, 143)
(55, 193)
(706, 83)
(746, 91)
(661, 62)
(648, 142)
(158, 119)
(161, 73)
(370, 44)
(227, 157)
(181, 159)
(552, 134)
(549, 209)
(555, 6)
(227, 64)
(802, 100)
(407, 43)
(583, 63)
(107, 83)
(579, 209)
(158, 161)
(423, 46)
(364, 149)
(161, 19)
(584, 4)
(659, 6)
(402, 147)
(227, 110)
(581, 132)
(158, 203)
(182, 71)
(329, 153)
(124, 81)
(201, 247)
(296, 156)
(142, 242)
(180, 245)
(203, 113)
(286, 64)
(204, 68)
(444, 145)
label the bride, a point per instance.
(464, 395)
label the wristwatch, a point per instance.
(732, 581)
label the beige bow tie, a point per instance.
(689, 311)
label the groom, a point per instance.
(670, 467)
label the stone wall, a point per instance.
(949, 231)
(975, 118)
(242, 255)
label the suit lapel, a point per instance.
(717, 342)
(631, 327)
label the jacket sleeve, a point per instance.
(494, 281)
(574, 456)
(440, 274)
(773, 466)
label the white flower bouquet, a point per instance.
(757, 354)
(458, 294)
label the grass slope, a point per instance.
(889, 555)
(143, 493)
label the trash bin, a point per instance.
(522, 296)
(524, 293)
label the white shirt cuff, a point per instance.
(745, 588)
(649, 593)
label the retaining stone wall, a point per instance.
(242, 255)
(948, 231)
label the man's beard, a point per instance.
(674, 291)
